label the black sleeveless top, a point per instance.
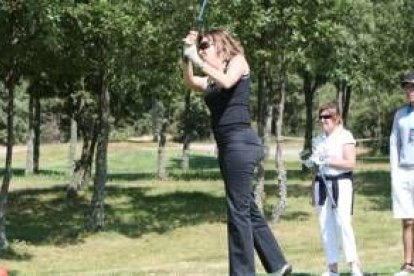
(229, 108)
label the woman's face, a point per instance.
(328, 120)
(409, 92)
(207, 50)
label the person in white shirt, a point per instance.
(402, 170)
(334, 153)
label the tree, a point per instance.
(106, 28)
(17, 18)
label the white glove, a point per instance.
(314, 160)
(308, 163)
(318, 160)
(190, 52)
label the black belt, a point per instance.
(335, 189)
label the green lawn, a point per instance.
(175, 227)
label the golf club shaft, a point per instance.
(328, 191)
(200, 17)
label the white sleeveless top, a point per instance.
(332, 146)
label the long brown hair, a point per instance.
(225, 43)
(333, 109)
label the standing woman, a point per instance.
(402, 170)
(334, 152)
(226, 87)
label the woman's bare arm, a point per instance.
(193, 82)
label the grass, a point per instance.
(177, 226)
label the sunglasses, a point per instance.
(205, 45)
(408, 86)
(329, 116)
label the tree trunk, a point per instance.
(10, 82)
(30, 138)
(309, 88)
(279, 209)
(36, 146)
(87, 174)
(75, 166)
(343, 97)
(382, 142)
(83, 166)
(162, 153)
(185, 159)
(73, 141)
(259, 192)
(155, 112)
(83, 121)
(339, 94)
(347, 102)
(261, 102)
(97, 215)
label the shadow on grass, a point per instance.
(376, 186)
(16, 172)
(177, 175)
(197, 162)
(295, 215)
(11, 254)
(130, 176)
(373, 159)
(21, 172)
(291, 174)
(373, 185)
(202, 175)
(202, 168)
(160, 213)
(43, 216)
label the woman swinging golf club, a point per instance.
(225, 87)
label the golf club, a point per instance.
(200, 17)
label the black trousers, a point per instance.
(239, 152)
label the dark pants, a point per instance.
(247, 229)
